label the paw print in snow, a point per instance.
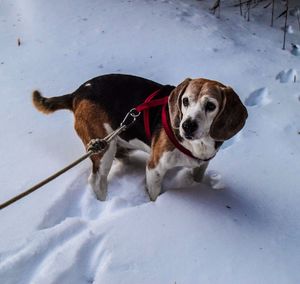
(259, 97)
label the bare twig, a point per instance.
(281, 14)
(249, 8)
(241, 11)
(266, 6)
(215, 6)
(247, 14)
(272, 19)
(255, 4)
(243, 2)
(285, 23)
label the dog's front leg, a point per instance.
(198, 172)
(154, 177)
(156, 169)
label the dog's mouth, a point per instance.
(189, 137)
(193, 136)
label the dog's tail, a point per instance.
(49, 105)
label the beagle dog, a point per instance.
(202, 114)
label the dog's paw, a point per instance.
(99, 186)
(153, 193)
(100, 195)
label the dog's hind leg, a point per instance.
(91, 122)
(154, 177)
(101, 166)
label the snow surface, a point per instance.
(287, 76)
(241, 225)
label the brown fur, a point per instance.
(201, 87)
(49, 105)
(232, 114)
(91, 115)
(160, 144)
(89, 124)
(89, 118)
(175, 101)
(231, 117)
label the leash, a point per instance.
(95, 146)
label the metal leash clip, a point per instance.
(132, 114)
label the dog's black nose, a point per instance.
(189, 127)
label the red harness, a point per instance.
(150, 103)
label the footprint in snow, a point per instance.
(288, 75)
(20, 262)
(259, 97)
(74, 261)
(295, 49)
(183, 15)
(68, 231)
(66, 205)
(289, 29)
(126, 188)
(76, 201)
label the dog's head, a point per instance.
(202, 108)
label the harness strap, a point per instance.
(171, 135)
(150, 102)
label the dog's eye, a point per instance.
(185, 102)
(210, 106)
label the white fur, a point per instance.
(169, 160)
(202, 145)
(196, 111)
(134, 144)
(98, 180)
(203, 148)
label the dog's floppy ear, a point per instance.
(231, 117)
(175, 101)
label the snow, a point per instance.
(289, 29)
(261, 96)
(241, 225)
(286, 76)
(295, 49)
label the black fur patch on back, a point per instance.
(117, 94)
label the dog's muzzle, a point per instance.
(189, 127)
